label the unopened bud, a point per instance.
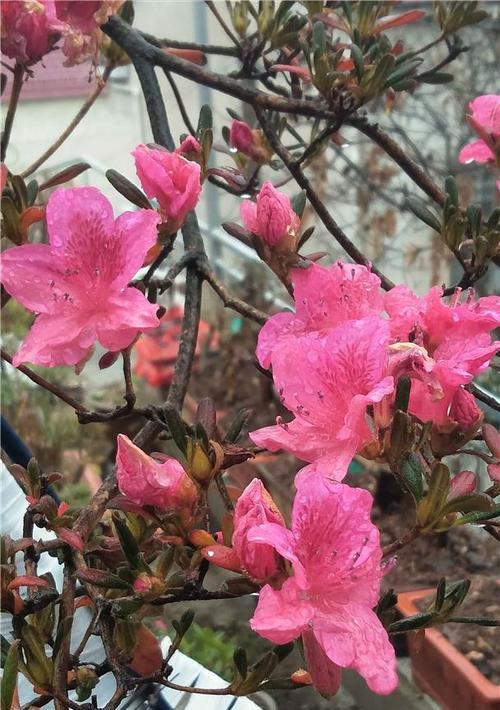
(199, 466)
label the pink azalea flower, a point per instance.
(328, 383)
(165, 486)
(29, 29)
(324, 297)
(259, 562)
(83, 18)
(271, 217)
(335, 553)
(78, 283)
(456, 336)
(171, 179)
(485, 121)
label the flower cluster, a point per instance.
(337, 359)
(31, 29)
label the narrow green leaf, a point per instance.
(423, 213)
(9, 677)
(299, 203)
(126, 188)
(412, 475)
(241, 661)
(357, 58)
(176, 428)
(205, 120)
(411, 623)
(65, 175)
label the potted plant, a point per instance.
(441, 670)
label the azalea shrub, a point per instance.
(364, 368)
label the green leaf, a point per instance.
(128, 542)
(205, 120)
(440, 594)
(176, 428)
(474, 502)
(477, 517)
(430, 508)
(450, 187)
(241, 661)
(357, 58)
(239, 421)
(319, 39)
(128, 189)
(299, 203)
(403, 389)
(411, 623)
(32, 191)
(423, 213)
(412, 475)
(101, 578)
(436, 78)
(65, 175)
(9, 678)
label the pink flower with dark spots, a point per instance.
(271, 217)
(485, 121)
(78, 283)
(82, 35)
(456, 337)
(164, 486)
(259, 562)
(29, 29)
(328, 383)
(174, 181)
(324, 297)
(334, 550)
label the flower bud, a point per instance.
(199, 466)
(250, 142)
(271, 217)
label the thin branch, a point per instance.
(154, 102)
(378, 136)
(164, 43)
(17, 85)
(49, 386)
(180, 103)
(135, 45)
(401, 542)
(230, 301)
(84, 109)
(211, 6)
(484, 396)
(322, 212)
(66, 611)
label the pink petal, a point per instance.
(78, 220)
(404, 18)
(281, 539)
(248, 214)
(477, 151)
(486, 112)
(32, 275)
(328, 517)
(491, 436)
(494, 471)
(125, 315)
(60, 339)
(352, 636)
(325, 675)
(270, 333)
(135, 234)
(281, 615)
(462, 484)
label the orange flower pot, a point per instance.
(442, 671)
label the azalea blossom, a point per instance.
(456, 336)
(174, 181)
(334, 550)
(259, 562)
(328, 383)
(78, 283)
(82, 34)
(163, 485)
(485, 121)
(271, 217)
(324, 297)
(29, 29)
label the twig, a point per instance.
(165, 43)
(49, 386)
(222, 22)
(165, 251)
(154, 103)
(180, 102)
(17, 85)
(223, 492)
(66, 611)
(84, 109)
(378, 136)
(401, 542)
(322, 212)
(230, 301)
(484, 396)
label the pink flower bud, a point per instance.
(189, 148)
(255, 507)
(271, 217)
(29, 29)
(171, 179)
(164, 486)
(462, 484)
(241, 137)
(464, 410)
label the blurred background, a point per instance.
(366, 193)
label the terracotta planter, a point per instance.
(440, 670)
